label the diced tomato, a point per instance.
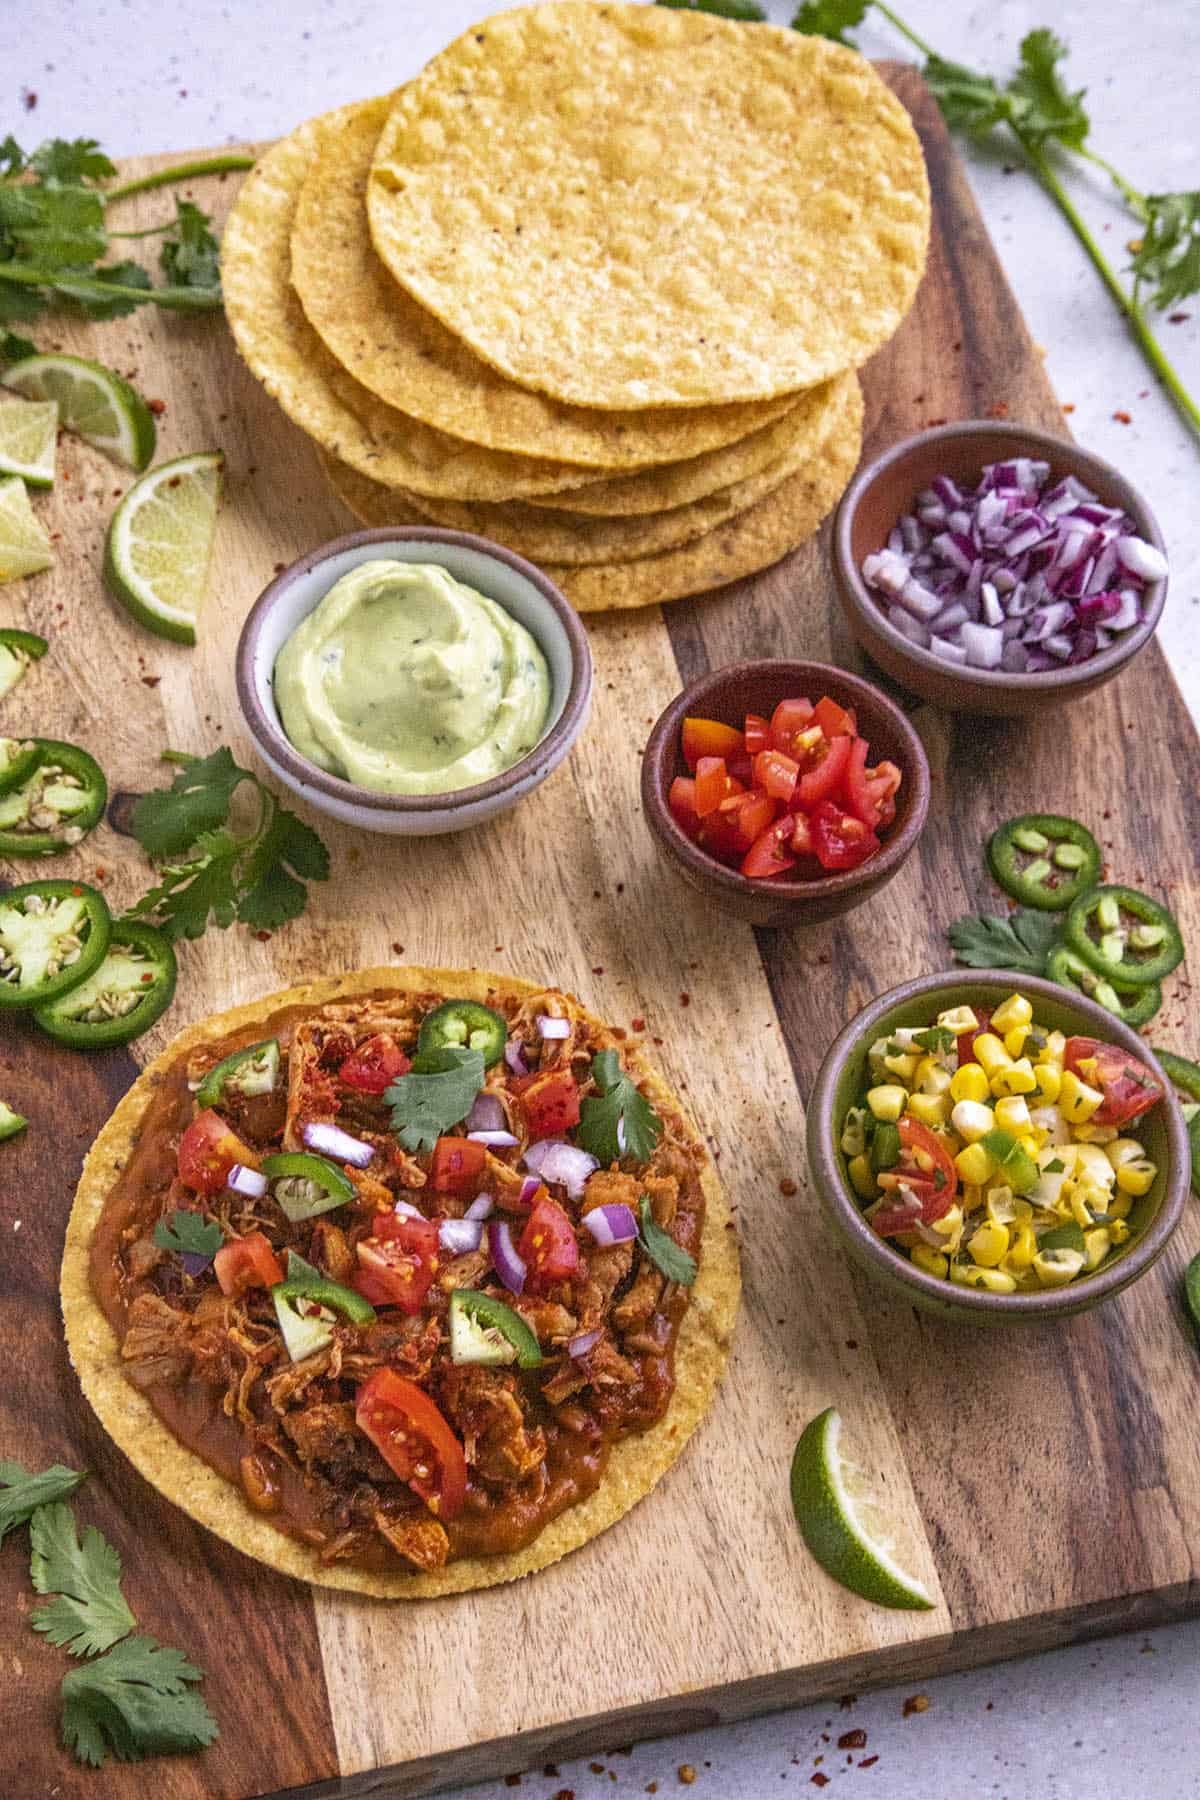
(713, 783)
(414, 1438)
(802, 836)
(208, 1150)
(681, 798)
(742, 769)
(457, 1166)
(374, 1065)
(399, 1259)
(1128, 1086)
(757, 734)
(548, 1246)
(934, 1187)
(853, 790)
(709, 737)
(550, 1103)
(776, 774)
(834, 720)
(790, 718)
(244, 1263)
(770, 853)
(823, 777)
(748, 816)
(841, 841)
(965, 1042)
(883, 784)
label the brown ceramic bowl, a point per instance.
(886, 488)
(839, 1083)
(729, 694)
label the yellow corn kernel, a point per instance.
(1092, 1165)
(862, 1177)
(1118, 1228)
(1095, 1134)
(975, 1165)
(949, 1223)
(1136, 1178)
(1096, 1245)
(1016, 1010)
(1049, 1081)
(1031, 1142)
(931, 1077)
(1054, 1049)
(1077, 1101)
(1004, 1207)
(988, 1245)
(969, 1083)
(1013, 1113)
(930, 1109)
(972, 1120)
(1082, 1201)
(994, 1280)
(887, 1102)
(1022, 1248)
(1016, 1078)
(1123, 1150)
(1014, 1040)
(932, 1261)
(854, 1137)
(904, 1065)
(1119, 1205)
(972, 1198)
(1054, 1268)
(958, 1019)
(990, 1053)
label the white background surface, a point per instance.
(1095, 1723)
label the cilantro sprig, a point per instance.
(209, 870)
(676, 1263)
(136, 1701)
(22, 1493)
(54, 236)
(436, 1093)
(89, 1613)
(619, 1120)
(191, 1236)
(1021, 941)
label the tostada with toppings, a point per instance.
(408, 1281)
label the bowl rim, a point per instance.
(271, 737)
(878, 868)
(1084, 462)
(823, 1156)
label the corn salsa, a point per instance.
(997, 1153)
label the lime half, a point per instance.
(28, 437)
(843, 1523)
(24, 546)
(92, 401)
(159, 543)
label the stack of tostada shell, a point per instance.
(595, 285)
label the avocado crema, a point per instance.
(407, 681)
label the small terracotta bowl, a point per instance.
(886, 488)
(729, 694)
(509, 580)
(840, 1081)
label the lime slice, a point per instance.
(92, 401)
(28, 434)
(159, 542)
(24, 546)
(843, 1523)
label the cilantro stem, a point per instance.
(1134, 199)
(86, 287)
(906, 31)
(188, 171)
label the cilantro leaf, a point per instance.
(189, 1234)
(746, 10)
(273, 896)
(1022, 941)
(90, 1613)
(1063, 1237)
(57, 228)
(15, 349)
(64, 162)
(1042, 108)
(1168, 253)
(190, 254)
(830, 18)
(135, 1702)
(95, 304)
(936, 1038)
(22, 1493)
(619, 1121)
(436, 1093)
(970, 102)
(676, 1263)
(168, 821)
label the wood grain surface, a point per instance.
(1049, 1482)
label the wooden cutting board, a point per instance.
(1052, 1477)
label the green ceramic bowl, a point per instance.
(840, 1081)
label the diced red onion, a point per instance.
(552, 1028)
(487, 1113)
(613, 1224)
(407, 1210)
(529, 1188)
(246, 1181)
(585, 1341)
(480, 1208)
(508, 1265)
(331, 1140)
(983, 644)
(556, 1160)
(514, 1056)
(1141, 559)
(460, 1236)
(495, 1140)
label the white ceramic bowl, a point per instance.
(512, 582)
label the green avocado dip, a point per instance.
(406, 681)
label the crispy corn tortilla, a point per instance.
(624, 205)
(636, 1463)
(574, 538)
(282, 349)
(751, 540)
(405, 356)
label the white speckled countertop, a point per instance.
(1099, 1722)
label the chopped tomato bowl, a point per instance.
(793, 794)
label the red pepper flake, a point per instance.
(158, 408)
(999, 411)
(512, 1781)
(932, 424)
(819, 1780)
(599, 970)
(853, 1740)
(916, 1703)
(28, 99)
(175, 479)
(397, 949)
(264, 937)
(652, 1787)
(788, 1187)
(596, 1768)
(565, 1794)
(686, 1774)
(550, 1771)
(620, 887)
(852, 1344)
(1123, 418)
(101, 873)
(685, 999)
(638, 1024)
(1178, 318)
(1068, 406)
(867, 1762)
(151, 681)
(147, 978)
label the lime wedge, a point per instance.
(28, 434)
(843, 1523)
(159, 542)
(24, 546)
(92, 401)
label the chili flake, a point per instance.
(916, 1703)
(853, 1740)
(686, 1774)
